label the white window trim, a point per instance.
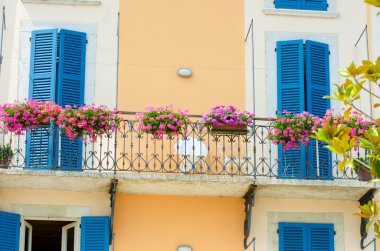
(301, 13)
(76, 223)
(23, 227)
(76, 226)
(336, 218)
(270, 9)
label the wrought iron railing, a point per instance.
(200, 151)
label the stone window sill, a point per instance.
(74, 2)
(301, 13)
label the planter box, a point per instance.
(364, 175)
(4, 163)
(228, 129)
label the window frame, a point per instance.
(307, 227)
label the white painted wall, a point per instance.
(97, 18)
(340, 26)
(376, 31)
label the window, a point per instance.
(57, 73)
(64, 235)
(302, 82)
(318, 5)
(306, 237)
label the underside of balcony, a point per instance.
(183, 184)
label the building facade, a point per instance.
(203, 191)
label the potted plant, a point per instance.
(291, 130)
(159, 121)
(361, 169)
(89, 122)
(17, 117)
(6, 154)
(223, 118)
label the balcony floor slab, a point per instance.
(183, 184)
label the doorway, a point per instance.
(49, 235)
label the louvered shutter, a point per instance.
(320, 5)
(71, 79)
(318, 86)
(288, 4)
(320, 237)
(43, 60)
(95, 233)
(291, 97)
(9, 231)
(293, 236)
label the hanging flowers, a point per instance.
(292, 130)
(17, 117)
(88, 122)
(159, 121)
(227, 115)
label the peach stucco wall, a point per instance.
(162, 223)
(159, 37)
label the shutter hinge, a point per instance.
(329, 52)
(86, 41)
(80, 225)
(328, 5)
(274, 2)
(278, 230)
(275, 49)
(334, 232)
(30, 39)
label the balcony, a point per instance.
(202, 162)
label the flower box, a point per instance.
(364, 175)
(227, 120)
(4, 162)
(237, 129)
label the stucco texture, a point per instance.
(162, 223)
(159, 37)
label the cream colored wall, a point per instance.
(159, 37)
(97, 203)
(317, 211)
(347, 26)
(162, 223)
(103, 17)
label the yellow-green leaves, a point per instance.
(370, 211)
(375, 3)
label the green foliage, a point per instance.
(5, 152)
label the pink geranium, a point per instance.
(17, 117)
(162, 120)
(88, 122)
(292, 130)
(227, 115)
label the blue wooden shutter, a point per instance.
(43, 60)
(291, 97)
(318, 86)
(71, 79)
(95, 233)
(9, 231)
(320, 237)
(320, 5)
(288, 4)
(292, 236)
